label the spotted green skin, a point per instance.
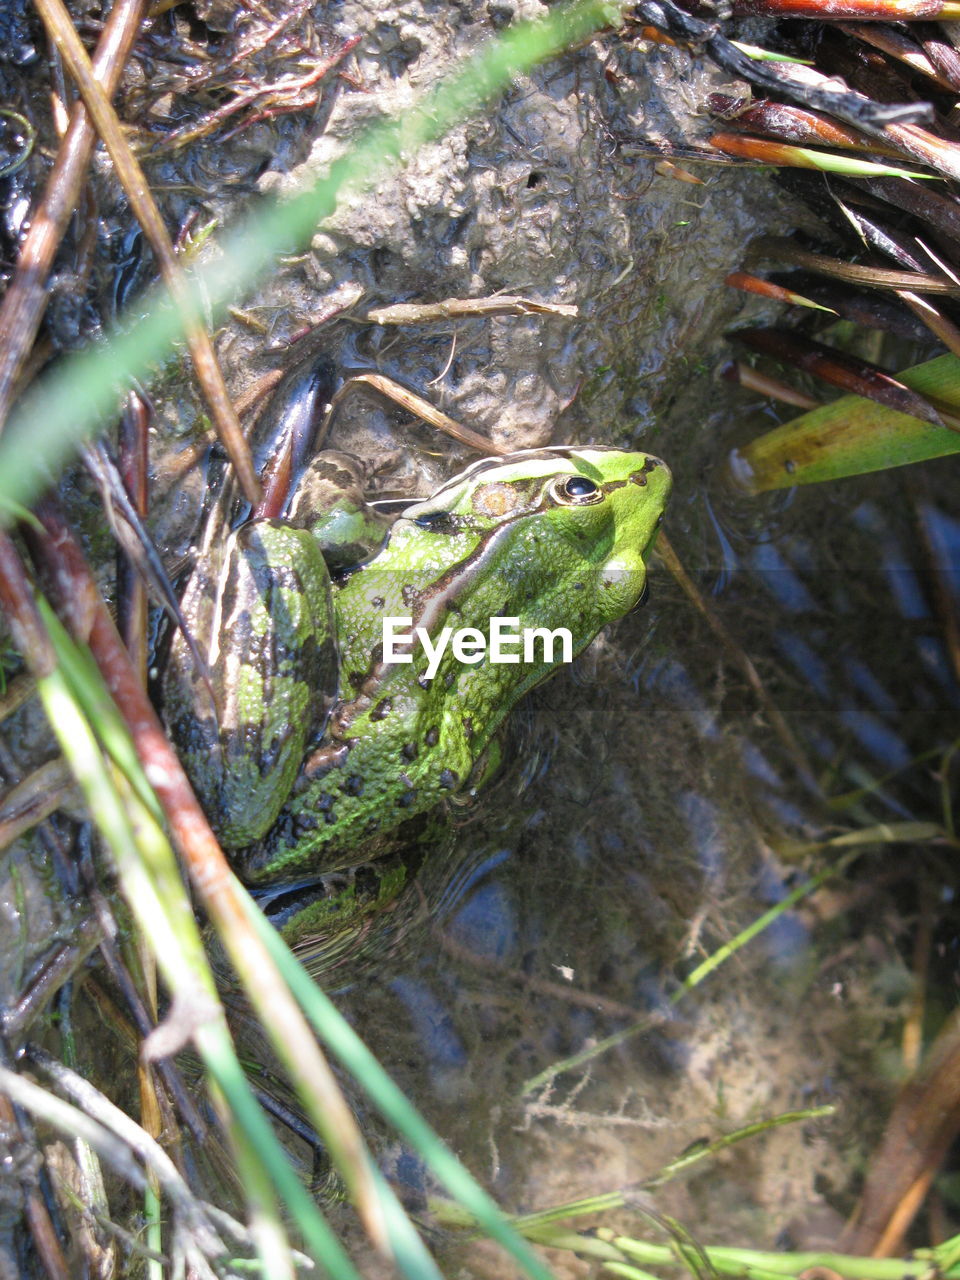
(320, 750)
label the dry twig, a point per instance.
(62, 32)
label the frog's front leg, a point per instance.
(265, 625)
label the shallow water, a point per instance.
(646, 821)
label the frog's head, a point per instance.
(560, 531)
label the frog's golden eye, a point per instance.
(575, 491)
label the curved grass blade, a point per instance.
(167, 910)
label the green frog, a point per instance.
(358, 673)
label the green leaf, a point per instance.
(852, 436)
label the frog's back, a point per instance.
(549, 539)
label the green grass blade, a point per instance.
(155, 892)
(344, 1042)
(183, 961)
(850, 166)
(408, 1249)
(321, 1243)
(83, 678)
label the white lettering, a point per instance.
(503, 631)
(532, 634)
(392, 635)
(469, 645)
(433, 651)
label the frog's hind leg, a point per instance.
(272, 657)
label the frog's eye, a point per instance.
(575, 491)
